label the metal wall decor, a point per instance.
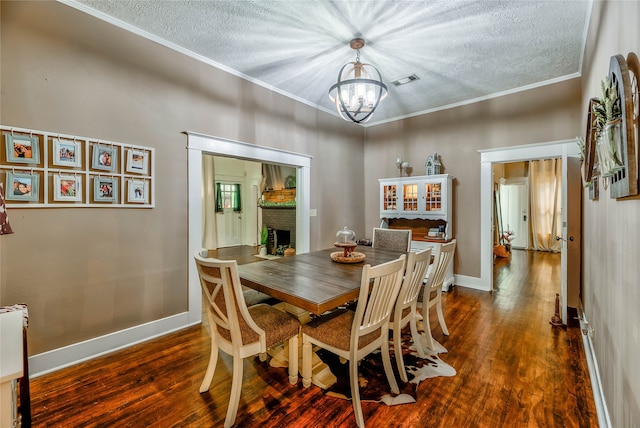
(611, 153)
(633, 64)
(624, 182)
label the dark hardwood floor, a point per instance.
(514, 370)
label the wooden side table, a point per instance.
(8, 354)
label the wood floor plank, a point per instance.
(513, 370)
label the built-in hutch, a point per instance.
(422, 204)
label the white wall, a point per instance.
(612, 236)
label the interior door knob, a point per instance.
(571, 238)
(558, 238)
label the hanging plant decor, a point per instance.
(615, 130)
(608, 128)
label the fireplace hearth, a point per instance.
(278, 240)
(281, 227)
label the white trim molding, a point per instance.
(604, 420)
(199, 144)
(554, 149)
(66, 356)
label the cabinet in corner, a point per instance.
(420, 204)
(424, 197)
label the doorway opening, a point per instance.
(526, 222)
(199, 145)
(559, 149)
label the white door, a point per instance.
(514, 200)
(228, 222)
(571, 254)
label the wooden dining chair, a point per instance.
(353, 335)
(432, 295)
(405, 311)
(394, 239)
(238, 330)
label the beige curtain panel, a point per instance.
(545, 178)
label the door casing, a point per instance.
(557, 149)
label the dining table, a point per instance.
(312, 283)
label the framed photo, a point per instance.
(104, 157)
(138, 191)
(22, 148)
(105, 189)
(137, 161)
(22, 187)
(67, 188)
(67, 152)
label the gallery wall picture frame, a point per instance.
(67, 152)
(137, 191)
(104, 158)
(105, 189)
(137, 161)
(67, 187)
(53, 158)
(22, 148)
(22, 186)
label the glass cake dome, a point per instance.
(345, 236)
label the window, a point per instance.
(228, 196)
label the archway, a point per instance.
(199, 144)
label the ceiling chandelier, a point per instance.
(359, 89)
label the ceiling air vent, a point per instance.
(405, 80)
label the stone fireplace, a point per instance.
(281, 225)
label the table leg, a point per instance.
(321, 374)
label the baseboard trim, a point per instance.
(470, 282)
(604, 421)
(57, 359)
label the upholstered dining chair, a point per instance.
(353, 335)
(238, 330)
(404, 311)
(432, 295)
(394, 239)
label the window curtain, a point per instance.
(546, 192)
(209, 234)
(237, 200)
(218, 198)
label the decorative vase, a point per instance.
(609, 148)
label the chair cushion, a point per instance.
(278, 326)
(334, 329)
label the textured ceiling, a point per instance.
(462, 51)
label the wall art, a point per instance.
(22, 186)
(22, 148)
(67, 153)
